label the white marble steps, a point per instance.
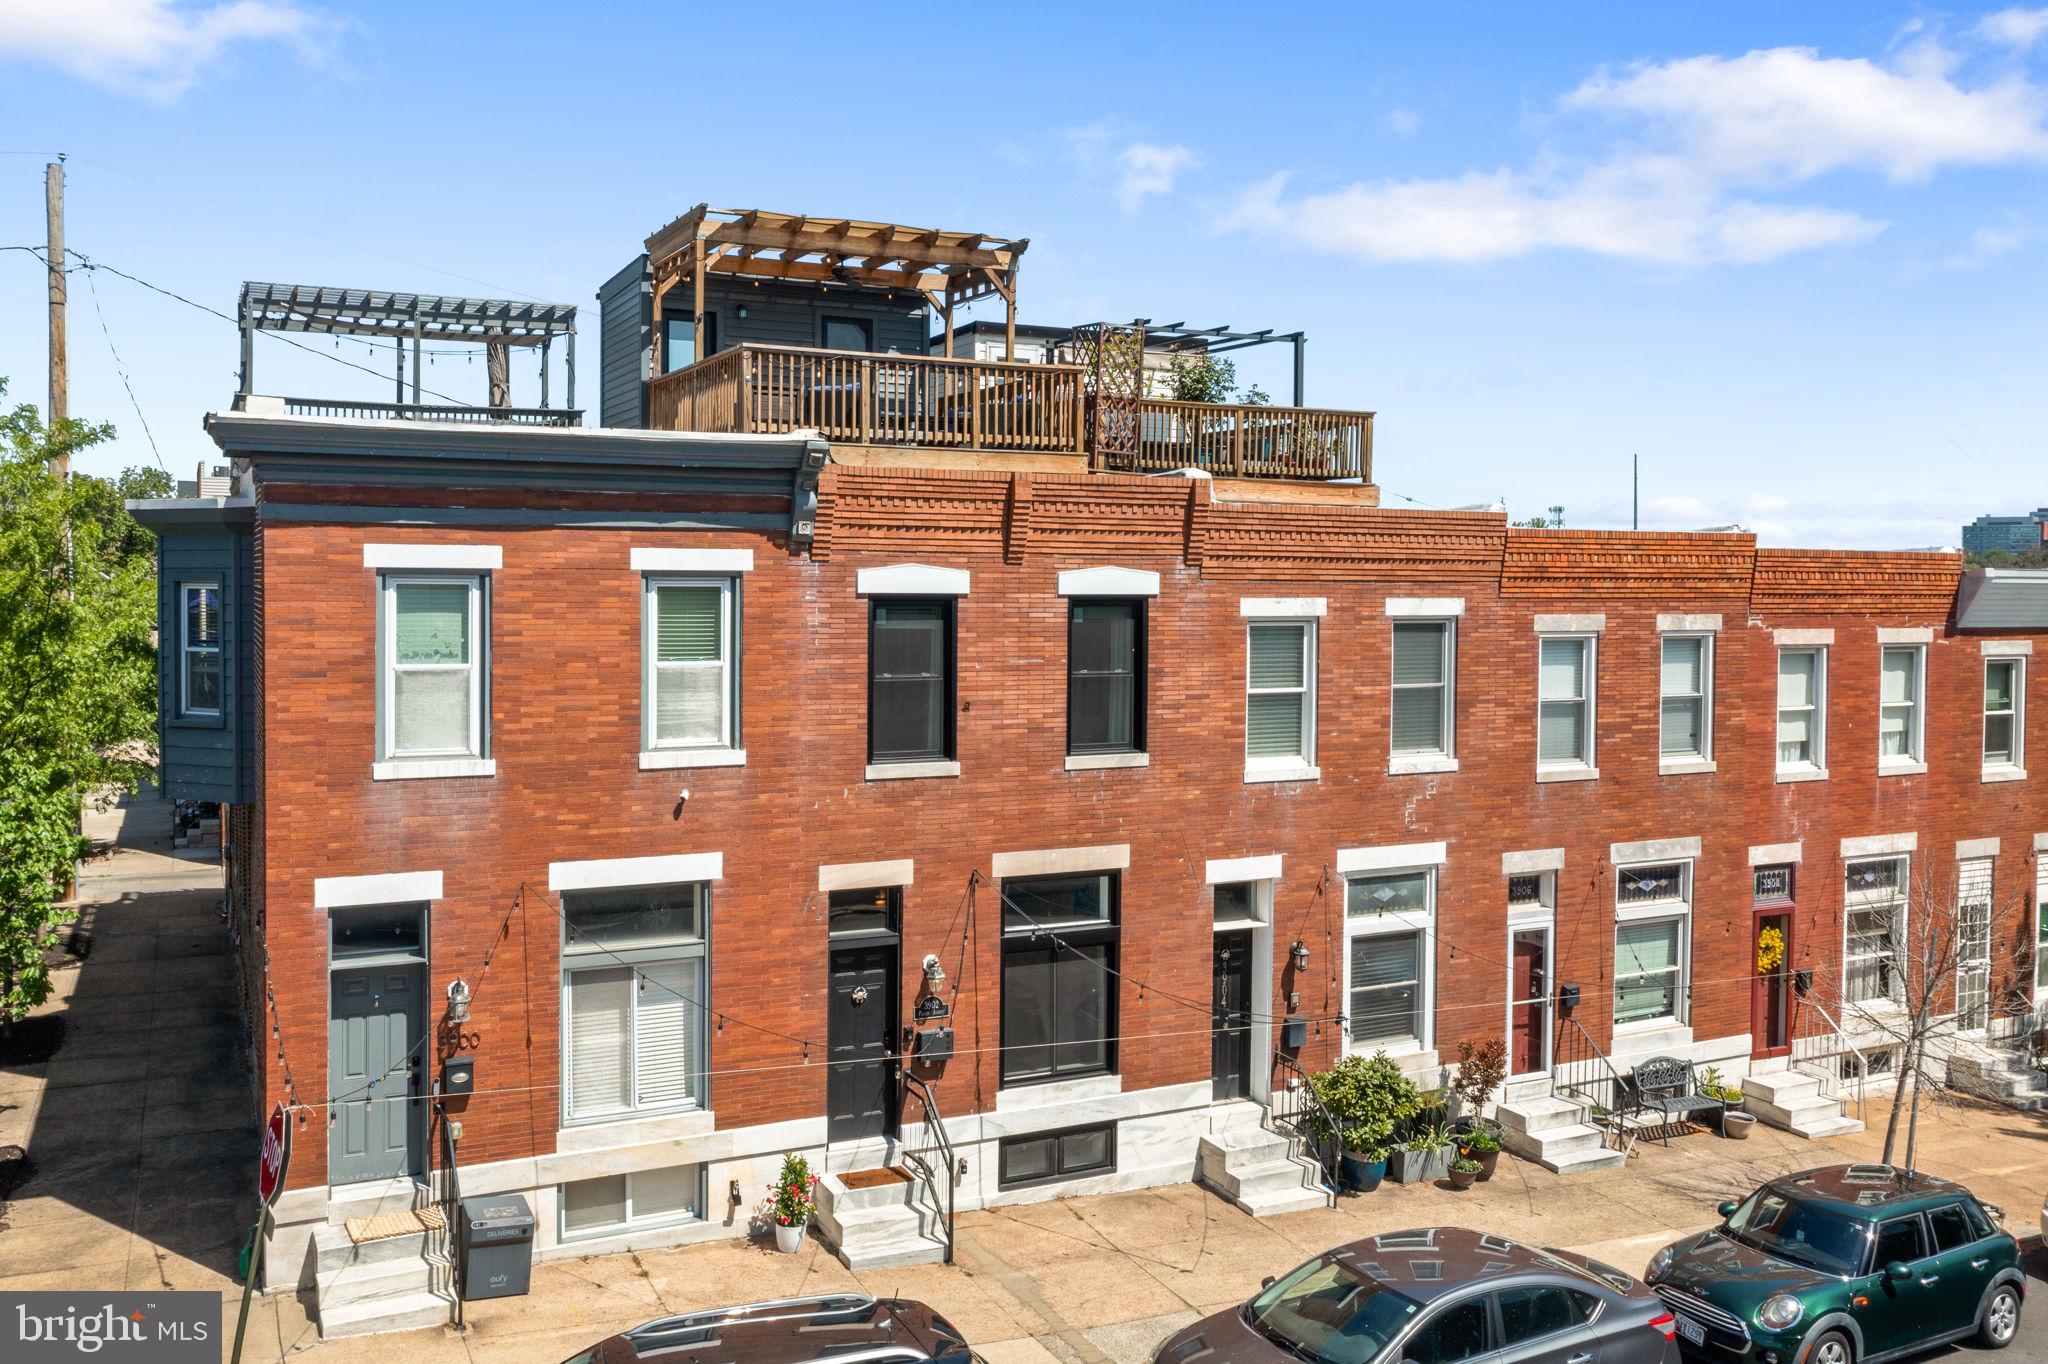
(1793, 1100)
(383, 1285)
(1259, 1171)
(880, 1219)
(2000, 1074)
(1555, 1134)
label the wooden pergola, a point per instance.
(948, 268)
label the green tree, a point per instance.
(77, 678)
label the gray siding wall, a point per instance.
(623, 305)
(206, 758)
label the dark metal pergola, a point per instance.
(1217, 340)
(496, 324)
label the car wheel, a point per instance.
(2001, 1319)
(1832, 1348)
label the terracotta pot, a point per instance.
(1487, 1160)
(1462, 1179)
(789, 1239)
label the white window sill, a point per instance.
(1681, 767)
(1096, 762)
(1900, 767)
(1579, 773)
(1292, 772)
(414, 769)
(659, 758)
(1802, 774)
(2005, 774)
(906, 771)
(1643, 1025)
(1407, 764)
(1406, 1047)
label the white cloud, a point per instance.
(1703, 139)
(155, 48)
(1146, 168)
(1403, 122)
(2015, 28)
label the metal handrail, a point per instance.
(451, 1187)
(1581, 1090)
(934, 1126)
(1842, 1037)
(1311, 1122)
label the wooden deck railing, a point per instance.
(929, 400)
(875, 399)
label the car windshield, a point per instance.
(1810, 1234)
(1328, 1312)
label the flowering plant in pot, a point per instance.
(1482, 1146)
(1463, 1171)
(792, 1203)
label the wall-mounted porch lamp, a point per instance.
(934, 974)
(458, 1001)
(1298, 955)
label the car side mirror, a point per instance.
(1728, 1209)
(1266, 1282)
(1898, 1269)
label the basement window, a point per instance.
(1050, 1157)
(645, 1198)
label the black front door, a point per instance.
(860, 1093)
(1230, 1068)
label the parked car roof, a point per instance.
(1869, 1190)
(843, 1328)
(1426, 1262)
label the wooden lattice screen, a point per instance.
(1112, 357)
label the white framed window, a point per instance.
(629, 1202)
(1902, 686)
(2004, 714)
(1564, 699)
(433, 685)
(1874, 892)
(633, 1001)
(689, 645)
(1389, 985)
(1425, 654)
(199, 670)
(1802, 711)
(1685, 692)
(1280, 696)
(1652, 943)
(1973, 944)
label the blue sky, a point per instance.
(1790, 255)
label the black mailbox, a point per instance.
(1568, 995)
(495, 1238)
(932, 1045)
(458, 1075)
(1294, 1033)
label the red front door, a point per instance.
(1529, 1003)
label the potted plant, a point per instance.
(1482, 1067)
(1463, 1171)
(792, 1202)
(1483, 1146)
(1424, 1155)
(1368, 1098)
(1735, 1124)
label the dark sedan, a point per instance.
(1438, 1295)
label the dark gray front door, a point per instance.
(374, 1073)
(860, 1027)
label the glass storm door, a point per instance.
(1529, 1002)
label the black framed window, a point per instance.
(1106, 677)
(850, 912)
(847, 333)
(1044, 1157)
(1059, 990)
(910, 679)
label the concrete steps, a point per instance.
(1793, 1101)
(880, 1224)
(2000, 1074)
(1555, 1134)
(399, 1283)
(1258, 1170)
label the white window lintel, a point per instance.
(1109, 581)
(647, 559)
(1803, 639)
(1531, 860)
(617, 872)
(1224, 870)
(1905, 634)
(866, 875)
(1392, 857)
(1584, 624)
(2006, 648)
(1425, 608)
(1283, 608)
(1880, 845)
(1976, 847)
(1653, 850)
(1060, 861)
(1770, 854)
(389, 888)
(911, 580)
(435, 558)
(1709, 624)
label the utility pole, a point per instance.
(60, 383)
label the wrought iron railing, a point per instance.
(1820, 1054)
(1296, 1111)
(1581, 1072)
(451, 1212)
(936, 1139)
(428, 412)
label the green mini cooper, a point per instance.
(1848, 1263)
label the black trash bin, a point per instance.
(495, 1239)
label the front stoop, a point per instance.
(1259, 1170)
(1554, 1133)
(880, 1223)
(2000, 1074)
(1793, 1100)
(399, 1283)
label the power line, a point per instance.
(122, 371)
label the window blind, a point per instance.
(1385, 976)
(1276, 656)
(600, 1031)
(686, 623)
(432, 622)
(1419, 688)
(665, 1026)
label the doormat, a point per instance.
(874, 1179)
(386, 1225)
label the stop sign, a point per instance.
(270, 1172)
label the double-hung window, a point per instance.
(199, 650)
(2004, 690)
(690, 686)
(1059, 986)
(910, 680)
(1652, 943)
(433, 697)
(633, 1001)
(1425, 653)
(1802, 712)
(1389, 919)
(1105, 676)
(1901, 687)
(1685, 700)
(1873, 929)
(629, 1202)
(1564, 702)
(1280, 698)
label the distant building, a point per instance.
(2015, 534)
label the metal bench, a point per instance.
(1666, 1086)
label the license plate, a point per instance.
(1691, 1330)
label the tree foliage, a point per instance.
(77, 674)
